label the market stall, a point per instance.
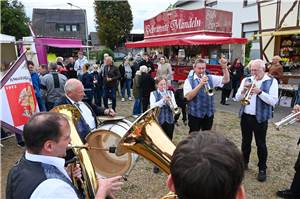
(184, 35)
(39, 47)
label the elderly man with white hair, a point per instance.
(74, 93)
(254, 116)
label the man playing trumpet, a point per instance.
(200, 101)
(262, 96)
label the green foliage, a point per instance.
(14, 19)
(102, 52)
(248, 48)
(247, 52)
(113, 21)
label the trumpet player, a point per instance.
(40, 172)
(294, 190)
(200, 103)
(166, 101)
(261, 92)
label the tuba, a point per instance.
(146, 138)
(89, 183)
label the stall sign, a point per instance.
(179, 21)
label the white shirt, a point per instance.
(85, 112)
(51, 188)
(216, 80)
(270, 98)
(160, 103)
(79, 65)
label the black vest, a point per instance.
(26, 176)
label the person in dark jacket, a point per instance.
(181, 102)
(147, 62)
(87, 81)
(226, 89)
(147, 85)
(236, 75)
(70, 68)
(111, 74)
(97, 85)
(74, 93)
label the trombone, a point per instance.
(209, 91)
(289, 119)
(246, 100)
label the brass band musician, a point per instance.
(166, 101)
(200, 100)
(260, 92)
(294, 190)
(40, 173)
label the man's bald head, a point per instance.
(74, 89)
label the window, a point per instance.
(60, 28)
(211, 3)
(249, 30)
(250, 35)
(68, 28)
(74, 28)
(249, 3)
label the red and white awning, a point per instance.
(186, 40)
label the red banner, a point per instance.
(18, 101)
(180, 21)
(22, 102)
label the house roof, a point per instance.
(69, 16)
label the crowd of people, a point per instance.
(204, 165)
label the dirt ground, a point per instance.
(142, 183)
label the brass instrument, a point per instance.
(175, 110)
(289, 119)
(246, 100)
(146, 138)
(90, 184)
(208, 90)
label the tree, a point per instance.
(113, 21)
(14, 19)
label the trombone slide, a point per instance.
(289, 119)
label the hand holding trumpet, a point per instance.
(203, 80)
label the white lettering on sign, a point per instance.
(180, 24)
(151, 29)
(175, 26)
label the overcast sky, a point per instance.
(141, 9)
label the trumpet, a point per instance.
(289, 119)
(209, 91)
(175, 110)
(246, 100)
